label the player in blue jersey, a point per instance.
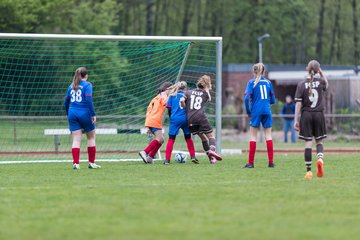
(259, 95)
(81, 116)
(178, 121)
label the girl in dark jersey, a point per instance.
(195, 103)
(309, 100)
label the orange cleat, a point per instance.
(320, 168)
(308, 175)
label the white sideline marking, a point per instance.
(224, 152)
(67, 131)
(69, 161)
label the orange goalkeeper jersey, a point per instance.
(155, 111)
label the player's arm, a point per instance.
(247, 98)
(168, 106)
(207, 90)
(296, 117)
(67, 102)
(247, 103)
(88, 96)
(182, 101)
(322, 75)
(272, 95)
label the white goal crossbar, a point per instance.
(217, 40)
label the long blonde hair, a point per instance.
(204, 82)
(258, 69)
(80, 73)
(173, 90)
(312, 68)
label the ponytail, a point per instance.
(312, 68)
(176, 87)
(258, 69)
(80, 73)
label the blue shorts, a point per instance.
(175, 127)
(80, 119)
(153, 130)
(265, 119)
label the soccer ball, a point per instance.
(180, 157)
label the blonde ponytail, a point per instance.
(258, 69)
(174, 89)
(204, 82)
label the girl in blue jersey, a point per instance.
(178, 121)
(259, 94)
(81, 116)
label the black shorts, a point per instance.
(203, 127)
(312, 125)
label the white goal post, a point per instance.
(216, 40)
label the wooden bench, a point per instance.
(99, 131)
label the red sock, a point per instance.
(153, 151)
(92, 153)
(151, 146)
(252, 149)
(169, 148)
(190, 146)
(270, 150)
(76, 155)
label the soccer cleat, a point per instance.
(76, 166)
(320, 168)
(248, 165)
(271, 165)
(93, 166)
(149, 160)
(166, 162)
(308, 175)
(143, 156)
(194, 160)
(215, 155)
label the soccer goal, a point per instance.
(126, 71)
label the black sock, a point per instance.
(320, 150)
(212, 143)
(206, 146)
(307, 156)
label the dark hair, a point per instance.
(80, 73)
(163, 87)
(312, 68)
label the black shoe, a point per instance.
(195, 161)
(271, 165)
(248, 166)
(166, 162)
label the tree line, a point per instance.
(300, 29)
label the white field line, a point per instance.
(224, 151)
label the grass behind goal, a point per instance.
(181, 201)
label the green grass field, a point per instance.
(132, 200)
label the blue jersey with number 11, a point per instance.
(259, 98)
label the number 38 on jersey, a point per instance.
(76, 96)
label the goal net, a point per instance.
(36, 70)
